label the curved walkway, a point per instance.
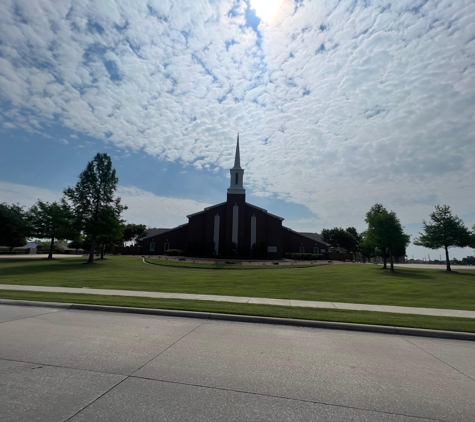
(250, 300)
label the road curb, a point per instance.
(383, 329)
(33, 303)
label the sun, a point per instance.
(265, 10)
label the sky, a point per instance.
(339, 105)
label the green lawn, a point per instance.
(355, 283)
(338, 315)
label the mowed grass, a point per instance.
(334, 315)
(353, 283)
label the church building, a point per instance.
(233, 228)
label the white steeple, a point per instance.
(237, 174)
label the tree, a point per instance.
(92, 199)
(132, 232)
(51, 221)
(340, 238)
(385, 233)
(357, 236)
(14, 226)
(76, 243)
(112, 229)
(444, 231)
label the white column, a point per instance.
(216, 234)
(235, 223)
(253, 230)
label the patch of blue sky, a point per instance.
(252, 21)
(230, 43)
(55, 160)
(284, 209)
(113, 70)
(45, 161)
(95, 27)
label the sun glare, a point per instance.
(266, 9)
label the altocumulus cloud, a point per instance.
(341, 104)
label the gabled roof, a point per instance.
(264, 211)
(206, 209)
(156, 232)
(313, 236)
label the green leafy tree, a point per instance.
(112, 229)
(132, 232)
(367, 249)
(14, 226)
(92, 199)
(444, 231)
(340, 239)
(468, 260)
(385, 233)
(52, 221)
(357, 236)
(76, 243)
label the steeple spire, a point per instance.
(237, 157)
(237, 174)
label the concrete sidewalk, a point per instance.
(250, 300)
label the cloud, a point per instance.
(156, 211)
(13, 193)
(340, 104)
(64, 141)
(143, 207)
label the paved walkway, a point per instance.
(251, 300)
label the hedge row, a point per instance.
(175, 252)
(304, 256)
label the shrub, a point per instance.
(305, 256)
(174, 252)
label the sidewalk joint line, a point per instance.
(233, 390)
(440, 360)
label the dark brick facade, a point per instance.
(236, 232)
(197, 237)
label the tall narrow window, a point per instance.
(166, 246)
(237, 178)
(152, 246)
(302, 249)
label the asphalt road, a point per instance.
(69, 365)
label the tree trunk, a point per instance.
(91, 252)
(391, 260)
(51, 248)
(447, 258)
(385, 260)
(102, 251)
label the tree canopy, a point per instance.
(52, 221)
(14, 226)
(92, 199)
(444, 231)
(347, 240)
(112, 229)
(132, 232)
(385, 233)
